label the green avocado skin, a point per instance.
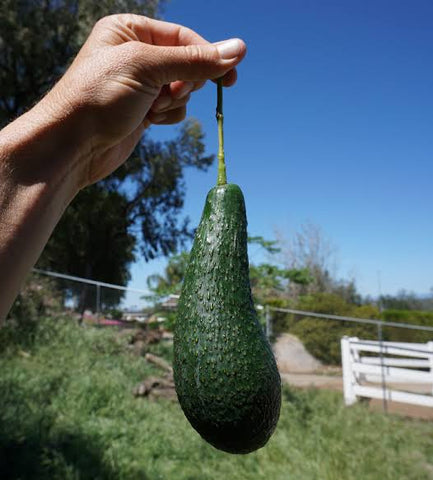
(225, 374)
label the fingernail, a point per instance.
(186, 88)
(160, 117)
(161, 103)
(229, 48)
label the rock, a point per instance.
(292, 357)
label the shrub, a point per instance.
(321, 337)
(396, 334)
(38, 297)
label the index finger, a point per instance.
(171, 34)
(159, 33)
(131, 27)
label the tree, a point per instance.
(89, 248)
(268, 281)
(270, 246)
(405, 300)
(152, 181)
(310, 249)
(170, 282)
(137, 208)
(134, 211)
(39, 38)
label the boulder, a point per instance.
(292, 357)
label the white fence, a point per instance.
(411, 364)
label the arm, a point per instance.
(33, 195)
(131, 72)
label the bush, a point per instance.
(396, 334)
(321, 337)
(37, 298)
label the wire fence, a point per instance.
(365, 321)
(101, 301)
(382, 328)
(80, 294)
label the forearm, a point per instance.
(37, 182)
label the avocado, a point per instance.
(225, 374)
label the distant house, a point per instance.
(140, 317)
(170, 303)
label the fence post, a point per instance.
(98, 300)
(430, 358)
(348, 378)
(268, 322)
(382, 367)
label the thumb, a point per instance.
(196, 62)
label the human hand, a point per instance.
(131, 72)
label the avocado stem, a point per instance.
(222, 175)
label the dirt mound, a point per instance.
(292, 357)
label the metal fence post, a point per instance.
(98, 300)
(268, 322)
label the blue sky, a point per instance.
(330, 122)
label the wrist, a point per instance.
(43, 147)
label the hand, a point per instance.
(131, 72)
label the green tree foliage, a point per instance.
(270, 246)
(269, 282)
(39, 38)
(153, 183)
(404, 300)
(169, 283)
(84, 246)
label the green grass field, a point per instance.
(67, 412)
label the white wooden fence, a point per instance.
(411, 363)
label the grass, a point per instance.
(67, 412)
